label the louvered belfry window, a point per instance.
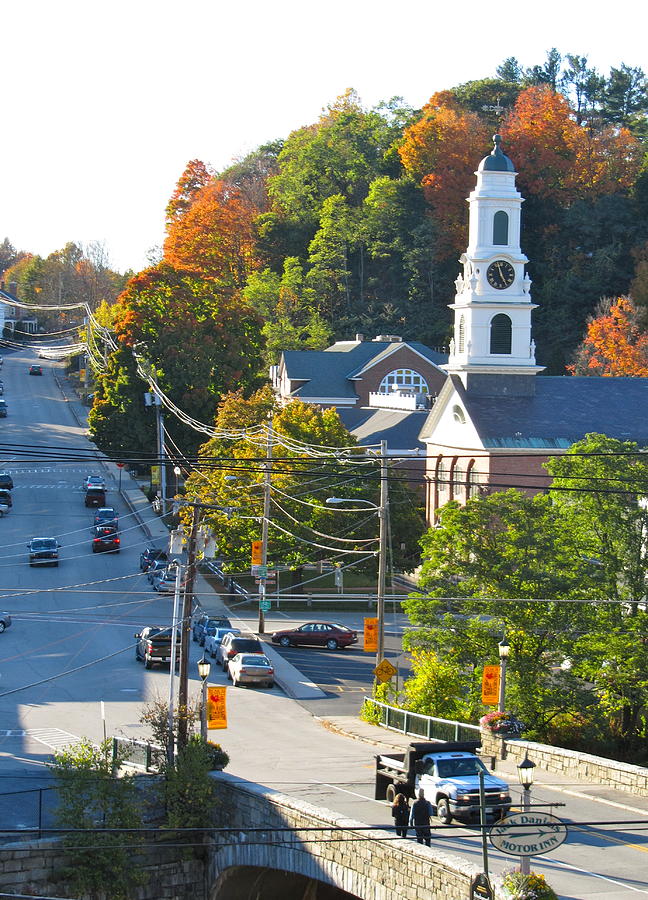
(500, 334)
(500, 228)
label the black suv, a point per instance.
(148, 556)
(43, 551)
(105, 537)
(6, 481)
(95, 497)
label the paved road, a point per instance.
(79, 619)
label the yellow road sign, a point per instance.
(384, 670)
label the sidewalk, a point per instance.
(294, 684)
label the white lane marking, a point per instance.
(622, 884)
(55, 738)
(344, 791)
(582, 796)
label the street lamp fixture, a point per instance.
(504, 650)
(525, 774)
(203, 670)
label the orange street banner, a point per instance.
(491, 685)
(257, 553)
(216, 707)
(370, 635)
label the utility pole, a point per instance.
(383, 513)
(264, 525)
(161, 451)
(187, 603)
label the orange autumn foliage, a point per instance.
(559, 159)
(615, 344)
(215, 236)
(439, 151)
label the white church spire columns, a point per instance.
(492, 350)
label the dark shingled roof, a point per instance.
(327, 372)
(370, 426)
(563, 410)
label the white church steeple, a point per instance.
(492, 308)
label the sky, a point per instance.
(105, 103)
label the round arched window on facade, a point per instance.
(404, 379)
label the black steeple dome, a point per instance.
(497, 161)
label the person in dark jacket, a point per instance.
(401, 812)
(420, 815)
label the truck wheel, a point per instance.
(390, 793)
(443, 811)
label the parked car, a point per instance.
(6, 481)
(203, 621)
(154, 645)
(164, 581)
(35, 370)
(5, 621)
(317, 634)
(148, 556)
(106, 515)
(3, 409)
(251, 668)
(94, 481)
(5, 502)
(236, 643)
(105, 537)
(213, 639)
(95, 497)
(43, 551)
(157, 566)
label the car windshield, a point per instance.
(43, 544)
(455, 768)
(255, 659)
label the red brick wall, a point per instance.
(403, 358)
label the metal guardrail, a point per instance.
(139, 754)
(418, 725)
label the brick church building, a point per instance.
(497, 419)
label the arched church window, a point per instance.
(457, 481)
(441, 476)
(404, 378)
(500, 228)
(473, 481)
(462, 335)
(500, 334)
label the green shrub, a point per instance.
(527, 887)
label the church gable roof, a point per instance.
(563, 410)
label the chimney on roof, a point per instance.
(389, 339)
(359, 338)
(13, 288)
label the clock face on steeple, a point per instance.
(500, 274)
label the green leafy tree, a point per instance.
(505, 564)
(302, 479)
(604, 482)
(437, 687)
(190, 791)
(92, 796)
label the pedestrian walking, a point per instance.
(422, 811)
(401, 812)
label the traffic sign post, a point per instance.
(265, 605)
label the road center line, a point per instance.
(344, 791)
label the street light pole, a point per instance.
(203, 671)
(504, 650)
(267, 481)
(525, 774)
(382, 551)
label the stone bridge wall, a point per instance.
(343, 855)
(572, 763)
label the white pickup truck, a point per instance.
(449, 775)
